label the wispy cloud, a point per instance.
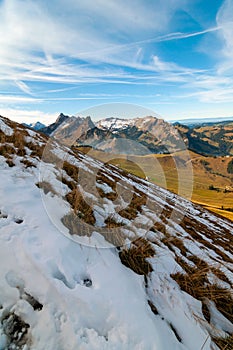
(18, 99)
(225, 20)
(28, 116)
(105, 42)
(24, 87)
(44, 47)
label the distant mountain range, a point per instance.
(36, 126)
(200, 121)
(142, 136)
(215, 139)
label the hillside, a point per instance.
(207, 179)
(213, 139)
(164, 281)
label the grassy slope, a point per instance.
(161, 169)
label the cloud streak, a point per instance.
(105, 42)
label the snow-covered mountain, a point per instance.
(144, 136)
(95, 258)
(121, 123)
(154, 134)
(151, 134)
(115, 123)
(36, 126)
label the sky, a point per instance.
(174, 57)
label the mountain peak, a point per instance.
(61, 118)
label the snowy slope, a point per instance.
(114, 123)
(121, 123)
(64, 284)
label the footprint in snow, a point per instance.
(18, 221)
(3, 215)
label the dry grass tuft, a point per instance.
(138, 200)
(196, 283)
(10, 162)
(112, 223)
(71, 184)
(172, 241)
(27, 163)
(6, 150)
(112, 196)
(136, 256)
(75, 225)
(71, 170)
(46, 187)
(224, 343)
(80, 206)
(37, 150)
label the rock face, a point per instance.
(163, 281)
(133, 136)
(70, 130)
(48, 130)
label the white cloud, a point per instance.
(225, 20)
(24, 87)
(18, 99)
(40, 41)
(28, 116)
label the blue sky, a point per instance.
(174, 57)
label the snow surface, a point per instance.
(52, 268)
(89, 299)
(6, 128)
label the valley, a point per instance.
(190, 160)
(212, 184)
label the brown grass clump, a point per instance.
(37, 150)
(136, 256)
(112, 196)
(112, 223)
(10, 162)
(80, 206)
(102, 178)
(71, 170)
(71, 184)
(224, 343)
(202, 234)
(46, 187)
(27, 163)
(75, 225)
(6, 150)
(139, 199)
(159, 227)
(221, 275)
(197, 285)
(172, 241)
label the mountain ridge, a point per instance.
(152, 134)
